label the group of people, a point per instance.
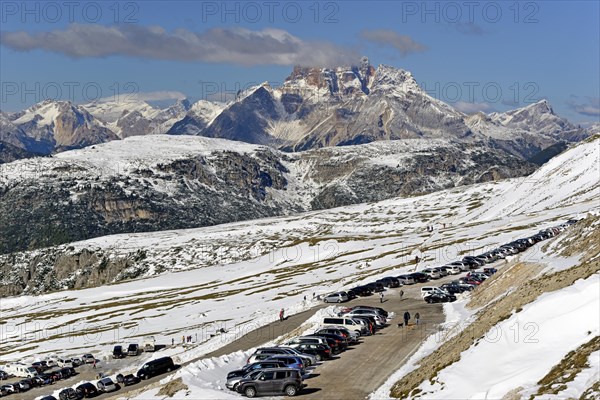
(407, 318)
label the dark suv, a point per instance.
(275, 381)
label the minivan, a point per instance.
(118, 352)
(133, 349)
(347, 323)
(156, 367)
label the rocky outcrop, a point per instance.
(185, 182)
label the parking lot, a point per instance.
(353, 373)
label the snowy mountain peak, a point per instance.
(392, 79)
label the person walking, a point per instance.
(401, 294)
(94, 364)
(417, 317)
(172, 342)
(406, 318)
(381, 297)
(281, 315)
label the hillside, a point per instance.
(160, 182)
(244, 272)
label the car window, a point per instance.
(268, 376)
(281, 374)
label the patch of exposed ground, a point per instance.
(503, 307)
(569, 367)
(170, 388)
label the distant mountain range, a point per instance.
(313, 108)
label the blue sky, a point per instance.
(489, 56)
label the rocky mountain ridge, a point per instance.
(313, 108)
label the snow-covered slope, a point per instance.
(236, 274)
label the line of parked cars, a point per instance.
(280, 370)
(107, 385)
(40, 373)
(447, 292)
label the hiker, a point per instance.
(182, 339)
(417, 316)
(401, 294)
(381, 297)
(172, 342)
(305, 298)
(94, 364)
(281, 315)
(417, 259)
(406, 318)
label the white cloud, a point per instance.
(471, 108)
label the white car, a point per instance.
(453, 269)
(65, 362)
(431, 273)
(427, 290)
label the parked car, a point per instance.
(406, 279)
(10, 388)
(130, 379)
(319, 351)
(290, 362)
(310, 360)
(340, 341)
(3, 375)
(3, 392)
(87, 389)
(390, 281)
(451, 269)
(48, 398)
(376, 287)
(351, 294)
(255, 366)
(118, 352)
(380, 310)
(272, 382)
(460, 264)
(133, 349)
(362, 291)
(350, 336)
(473, 261)
(69, 394)
(76, 361)
(438, 297)
(64, 362)
(106, 385)
(452, 289)
(419, 277)
(338, 297)
(431, 273)
(156, 367)
(233, 381)
(23, 386)
(379, 319)
(490, 271)
(347, 323)
(88, 358)
(427, 290)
